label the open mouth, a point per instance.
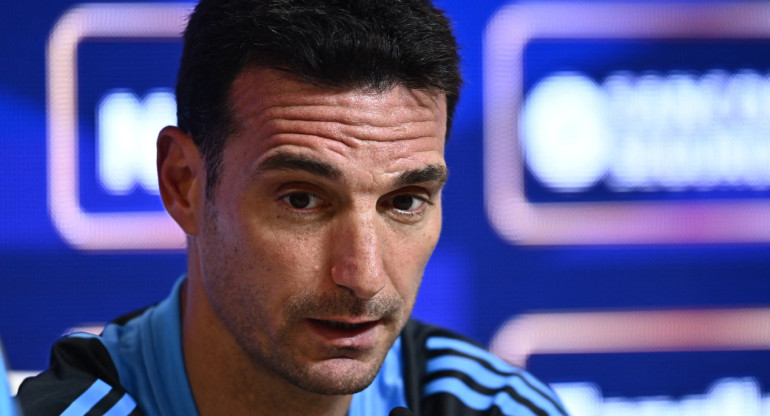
(345, 325)
(344, 331)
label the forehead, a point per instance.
(270, 105)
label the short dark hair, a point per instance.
(344, 44)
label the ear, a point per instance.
(181, 176)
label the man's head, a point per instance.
(339, 44)
(307, 173)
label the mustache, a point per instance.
(344, 303)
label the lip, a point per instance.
(348, 333)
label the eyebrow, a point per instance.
(430, 173)
(288, 161)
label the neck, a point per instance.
(225, 381)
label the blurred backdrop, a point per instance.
(607, 218)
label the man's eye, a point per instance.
(302, 200)
(407, 202)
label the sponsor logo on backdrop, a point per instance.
(596, 333)
(631, 154)
(127, 127)
(725, 397)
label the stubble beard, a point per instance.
(352, 370)
(345, 371)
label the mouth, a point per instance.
(346, 333)
(347, 326)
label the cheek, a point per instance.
(410, 258)
(285, 263)
(256, 276)
(282, 251)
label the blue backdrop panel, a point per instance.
(708, 253)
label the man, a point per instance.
(306, 171)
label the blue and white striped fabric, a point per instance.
(93, 395)
(482, 381)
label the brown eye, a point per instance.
(299, 201)
(408, 206)
(302, 200)
(404, 202)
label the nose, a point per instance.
(357, 262)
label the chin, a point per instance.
(338, 376)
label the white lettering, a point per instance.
(650, 131)
(725, 397)
(127, 130)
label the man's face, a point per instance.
(327, 209)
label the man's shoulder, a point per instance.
(134, 366)
(453, 375)
(81, 379)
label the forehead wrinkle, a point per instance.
(346, 135)
(272, 121)
(416, 130)
(351, 136)
(366, 109)
(272, 103)
(355, 116)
